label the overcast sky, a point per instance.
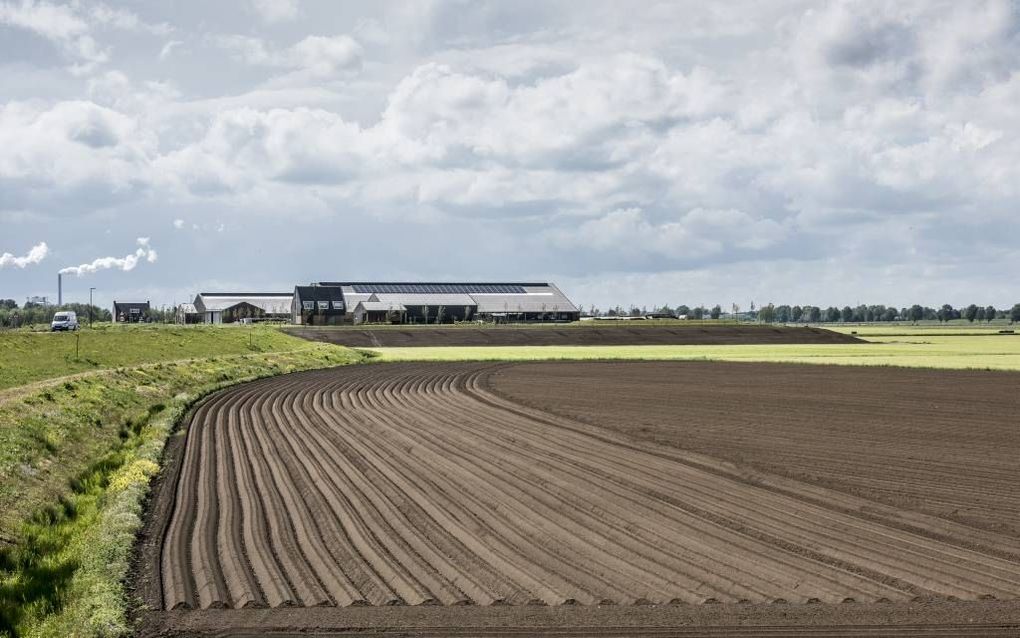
(645, 153)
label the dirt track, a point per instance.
(629, 335)
(418, 485)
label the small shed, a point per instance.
(130, 311)
(379, 312)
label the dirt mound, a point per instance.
(576, 335)
(419, 485)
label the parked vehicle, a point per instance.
(64, 320)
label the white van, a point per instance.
(64, 320)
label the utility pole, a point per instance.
(90, 307)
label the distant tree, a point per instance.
(715, 312)
(1014, 313)
(945, 313)
(970, 313)
(915, 313)
(767, 314)
(636, 312)
(890, 314)
(846, 314)
(796, 313)
(990, 313)
(8, 304)
(683, 311)
(783, 313)
(832, 314)
(698, 313)
(814, 314)
(980, 314)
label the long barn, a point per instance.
(335, 302)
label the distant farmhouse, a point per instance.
(130, 311)
(228, 307)
(339, 302)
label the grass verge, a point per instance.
(1001, 352)
(26, 357)
(76, 459)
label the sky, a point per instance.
(638, 153)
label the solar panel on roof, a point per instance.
(439, 289)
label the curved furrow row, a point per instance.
(412, 484)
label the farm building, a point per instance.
(228, 307)
(318, 306)
(414, 302)
(130, 311)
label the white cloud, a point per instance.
(126, 263)
(168, 48)
(178, 224)
(35, 255)
(276, 10)
(313, 56)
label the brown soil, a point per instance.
(389, 337)
(364, 496)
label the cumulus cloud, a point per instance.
(275, 10)
(72, 27)
(314, 55)
(35, 255)
(127, 263)
(178, 224)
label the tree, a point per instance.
(1014, 314)
(783, 313)
(716, 312)
(846, 314)
(814, 314)
(990, 313)
(767, 314)
(915, 313)
(8, 304)
(970, 313)
(980, 314)
(832, 314)
(683, 311)
(796, 313)
(945, 313)
(698, 313)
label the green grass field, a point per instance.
(32, 356)
(998, 352)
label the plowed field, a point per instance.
(586, 335)
(392, 485)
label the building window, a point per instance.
(338, 305)
(308, 305)
(323, 305)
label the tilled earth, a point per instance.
(625, 335)
(578, 498)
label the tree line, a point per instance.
(785, 313)
(14, 316)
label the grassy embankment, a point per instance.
(904, 347)
(77, 454)
(31, 356)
